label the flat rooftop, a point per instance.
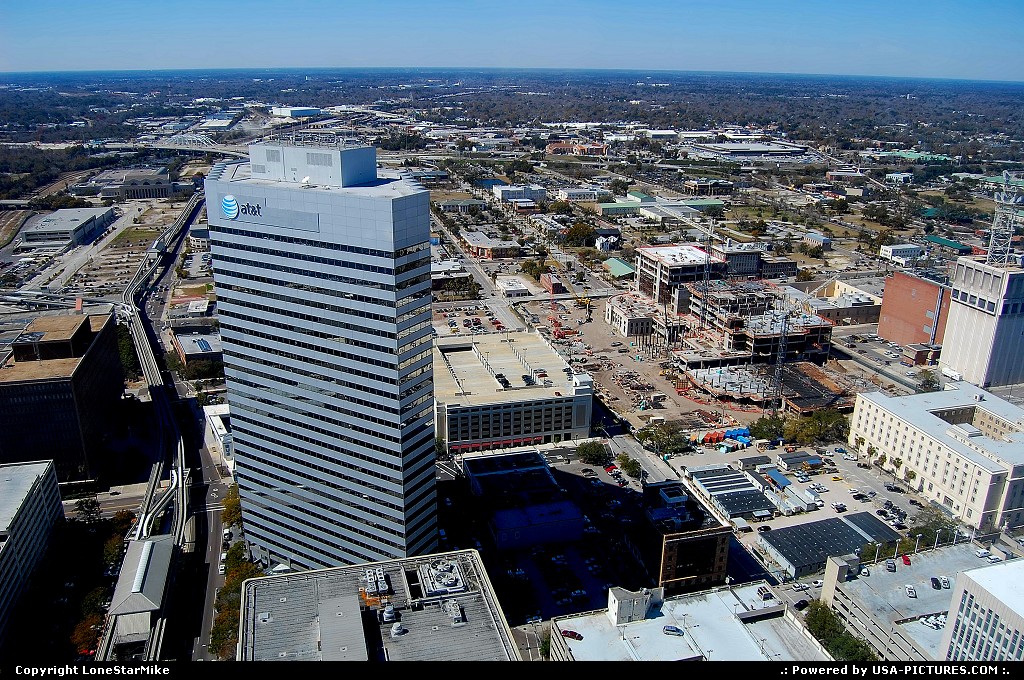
(53, 328)
(67, 219)
(461, 375)
(16, 480)
(677, 254)
(389, 183)
(917, 410)
(444, 603)
(884, 594)
(724, 624)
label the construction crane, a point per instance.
(705, 282)
(783, 313)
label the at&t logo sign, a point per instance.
(231, 209)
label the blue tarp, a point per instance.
(778, 478)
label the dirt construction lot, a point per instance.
(627, 374)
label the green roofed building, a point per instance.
(613, 209)
(703, 203)
(945, 243)
(619, 269)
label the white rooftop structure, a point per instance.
(678, 254)
(724, 624)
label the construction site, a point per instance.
(805, 387)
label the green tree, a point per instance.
(593, 453)
(126, 350)
(768, 427)
(86, 634)
(560, 208)
(618, 186)
(805, 275)
(629, 466)
(88, 509)
(927, 381)
(113, 550)
(824, 425)
(232, 513)
(579, 235)
(826, 627)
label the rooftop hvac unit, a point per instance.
(397, 630)
(389, 612)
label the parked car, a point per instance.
(763, 528)
(572, 635)
(906, 560)
(936, 584)
(801, 605)
(818, 583)
(890, 565)
(911, 591)
(672, 630)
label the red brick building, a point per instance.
(914, 309)
(552, 284)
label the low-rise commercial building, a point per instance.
(437, 607)
(68, 227)
(479, 244)
(522, 502)
(504, 390)
(507, 192)
(962, 448)
(193, 346)
(902, 254)
(749, 622)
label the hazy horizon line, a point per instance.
(208, 69)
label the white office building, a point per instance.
(962, 448)
(902, 253)
(29, 507)
(509, 192)
(986, 616)
(984, 336)
(322, 270)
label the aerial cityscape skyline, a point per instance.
(657, 332)
(945, 39)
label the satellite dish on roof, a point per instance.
(305, 179)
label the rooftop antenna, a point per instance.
(1008, 202)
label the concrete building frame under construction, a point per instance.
(750, 331)
(661, 270)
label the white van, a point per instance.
(981, 552)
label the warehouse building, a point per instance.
(68, 227)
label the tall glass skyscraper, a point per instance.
(322, 272)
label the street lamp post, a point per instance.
(878, 547)
(937, 532)
(917, 543)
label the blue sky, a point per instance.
(970, 39)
